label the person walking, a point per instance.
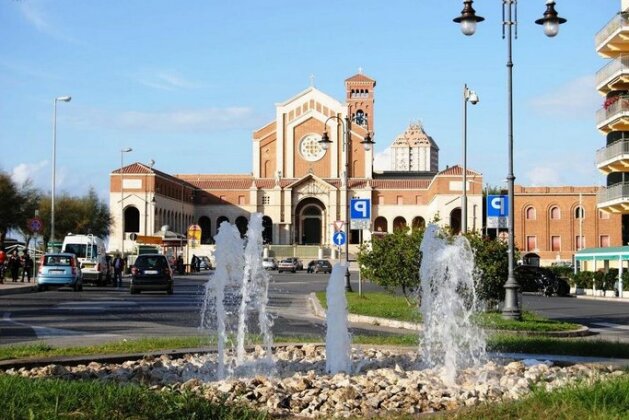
(27, 266)
(3, 260)
(180, 265)
(14, 265)
(118, 269)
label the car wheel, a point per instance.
(133, 291)
(279, 271)
(293, 271)
(40, 288)
(75, 287)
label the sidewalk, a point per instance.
(602, 298)
(10, 288)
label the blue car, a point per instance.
(58, 270)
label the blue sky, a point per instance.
(186, 83)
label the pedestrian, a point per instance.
(27, 266)
(198, 265)
(180, 265)
(14, 265)
(193, 263)
(310, 268)
(118, 268)
(3, 260)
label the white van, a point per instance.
(91, 253)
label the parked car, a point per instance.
(291, 264)
(540, 280)
(205, 263)
(151, 272)
(269, 263)
(59, 269)
(321, 266)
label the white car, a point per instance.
(269, 263)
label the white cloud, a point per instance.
(29, 171)
(569, 170)
(382, 160)
(34, 14)
(206, 119)
(575, 99)
(165, 80)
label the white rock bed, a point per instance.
(383, 381)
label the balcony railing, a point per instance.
(616, 110)
(617, 22)
(612, 151)
(616, 192)
(613, 68)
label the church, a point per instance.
(300, 184)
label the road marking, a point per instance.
(611, 325)
(45, 332)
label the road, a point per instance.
(606, 318)
(103, 314)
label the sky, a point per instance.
(186, 83)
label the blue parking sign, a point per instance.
(360, 208)
(497, 206)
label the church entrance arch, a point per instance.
(309, 222)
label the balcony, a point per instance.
(613, 39)
(614, 157)
(615, 117)
(614, 76)
(614, 198)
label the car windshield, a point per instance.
(58, 260)
(151, 262)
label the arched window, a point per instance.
(455, 220)
(530, 213)
(399, 223)
(206, 230)
(267, 232)
(380, 225)
(131, 219)
(418, 223)
(220, 220)
(579, 213)
(555, 213)
(242, 223)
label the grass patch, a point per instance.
(23, 398)
(530, 322)
(385, 305)
(381, 305)
(607, 399)
(559, 346)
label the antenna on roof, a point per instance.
(151, 163)
(312, 80)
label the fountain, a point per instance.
(312, 380)
(338, 346)
(450, 341)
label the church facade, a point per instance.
(300, 187)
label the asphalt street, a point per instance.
(103, 314)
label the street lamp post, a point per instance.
(551, 22)
(122, 152)
(54, 163)
(468, 95)
(325, 143)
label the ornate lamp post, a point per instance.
(325, 143)
(551, 22)
(54, 163)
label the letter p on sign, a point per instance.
(360, 208)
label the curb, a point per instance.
(602, 298)
(320, 312)
(10, 289)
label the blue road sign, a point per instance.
(497, 206)
(360, 208)
(338, 238)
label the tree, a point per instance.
(491, 266)
(31, 197)
(393, 261)
(17, 205)
(81, 215)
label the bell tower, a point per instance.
(359, 91)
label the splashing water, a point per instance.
(254, 291)
(338, 346)
(229, 271)
(450, 341)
